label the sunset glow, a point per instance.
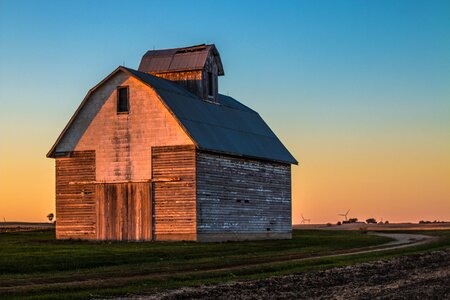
(359, 92)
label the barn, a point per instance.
(158, 154)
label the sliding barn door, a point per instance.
(124, 211)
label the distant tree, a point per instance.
(329, 224)
(339, 223)
(386, 222)
(50, 216)
(353, 220)
(371, 221)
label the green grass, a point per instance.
(87, 269)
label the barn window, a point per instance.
(210, 84)
(123, 104)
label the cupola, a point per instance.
(196, 68)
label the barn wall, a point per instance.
(75, 203)
(123, 141)
(174, 194)
(240, 199)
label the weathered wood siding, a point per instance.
(75, 203)
(120, 150)
(124, 211)
(241, 198)
(174, 194)
(123, 141)
(191, 80)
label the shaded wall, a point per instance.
(240, 198)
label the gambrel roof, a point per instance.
(227, 127)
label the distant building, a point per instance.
(159, 154)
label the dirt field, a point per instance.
(36, 266)
(423, 276)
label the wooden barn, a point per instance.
(158, 154)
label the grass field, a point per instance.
(34, 265)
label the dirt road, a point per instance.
(419, 276)
(424, 276)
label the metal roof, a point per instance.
(179, 59)
(228, 127)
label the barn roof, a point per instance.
(179, 59)
(227, 127)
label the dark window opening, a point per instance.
(122, 100)
(246, 201)
(210, 84)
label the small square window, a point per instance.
(123, 104)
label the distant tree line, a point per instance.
(430, 222)
(355, 220)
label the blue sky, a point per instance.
(343, 83)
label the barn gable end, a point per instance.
(123, 141)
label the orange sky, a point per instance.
(401, 182)
(358, 91)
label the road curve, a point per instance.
(400, 240)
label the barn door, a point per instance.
(124, 211)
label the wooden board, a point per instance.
(242, 196)
(75, 203)
(124, 211)
(174, 201)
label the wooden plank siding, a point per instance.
(239, 198)
(191, 80)
(75, 203)
(124, 211)
(174, 201)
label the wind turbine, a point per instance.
(345, 215)
(305, 220)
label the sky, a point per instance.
(358, 91)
